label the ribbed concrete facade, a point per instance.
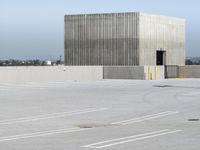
(122, 39)
(102, 39)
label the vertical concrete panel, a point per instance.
(69, 40)
(113, 40)
(131, 39)
(120, 47)
(93, 38)
(123, 72)
(100, 54)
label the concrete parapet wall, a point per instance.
(134, 72)
(123, 72)
(189, 71)
(64, 73)
(49, 74)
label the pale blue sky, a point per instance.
(35, 28)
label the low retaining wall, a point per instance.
(49, 74)
(192, 71)
(123, 72)
(64, 73)
(134, 72)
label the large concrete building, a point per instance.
(124, 39)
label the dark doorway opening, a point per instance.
(160, 57)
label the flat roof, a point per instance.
(145, 13)
(108, 114)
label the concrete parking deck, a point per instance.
(109, 114)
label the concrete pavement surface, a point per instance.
(107, 115)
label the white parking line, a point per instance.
(128, 139)
(192, 94)
(50, 116)
(145, 118)
(39, 134)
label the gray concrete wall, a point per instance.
(64, 73)
(189, 71)
(161, 33)
(172, 71)
(102, 39)
(49, 74)
(134, 72)
(123, 72)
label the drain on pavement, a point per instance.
(93, 125)
(163, 86)
(193, 119)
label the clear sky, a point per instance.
(32, 29)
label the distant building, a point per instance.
(124, 39)
(48, 63)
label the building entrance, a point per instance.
(160, 57)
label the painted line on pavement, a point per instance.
(118, 141)
(50, 116)
(192, 94)
(39, 134)
(145, 118)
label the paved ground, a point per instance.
(110, 114)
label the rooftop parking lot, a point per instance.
(108, 114)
